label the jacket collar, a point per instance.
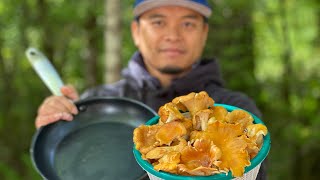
(203, 72)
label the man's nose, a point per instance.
(173, 33)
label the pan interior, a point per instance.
(97, 151)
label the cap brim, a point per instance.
(150, 4)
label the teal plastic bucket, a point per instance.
(250, 171)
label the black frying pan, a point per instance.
(96, 145)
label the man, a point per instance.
(170, 36)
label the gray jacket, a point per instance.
(138, 84)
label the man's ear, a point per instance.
(135, 32)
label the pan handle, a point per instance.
(45, 70)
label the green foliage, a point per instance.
(285, 32)
(231, 41)
(267, 49)
(8, 173)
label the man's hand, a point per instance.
(56, 108)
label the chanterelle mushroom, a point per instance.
(169, 112)
(170, 131)
(194, 102)
(256, 132)
(201, 118)
(144, 137)
(200, 158)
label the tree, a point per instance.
(112, 41)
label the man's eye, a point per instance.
(188, 24)
(157, 23)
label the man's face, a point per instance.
(170, 39)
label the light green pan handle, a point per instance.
(45, 70)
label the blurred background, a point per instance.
(269, 49)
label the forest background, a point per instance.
(269, 49)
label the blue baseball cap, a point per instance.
(200, 6)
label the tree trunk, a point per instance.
(47, 44)
(112, 41)
(91, 58)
